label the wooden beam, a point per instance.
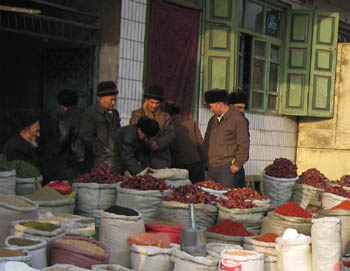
(20, 10)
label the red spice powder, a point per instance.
(347, 264)
(229, 227)
(345, 205)
(292, 209)
(267, 237)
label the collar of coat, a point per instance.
(158, 116)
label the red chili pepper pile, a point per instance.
(146, 182)
(236, 203)
(244, 193)
(340, 191)
(344, 181)
(292, 209)
(190, 194)
(229, 227)
(211, 184)
(282, 168)
(267, 237)
(347, 264)
(102, 175)
(314, 178)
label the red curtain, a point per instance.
(172, 51)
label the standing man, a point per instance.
(159, 146)
(99, 125)
(226, 141)
(130, 146)
(68, 145)
(187, 150)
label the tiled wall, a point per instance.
(271, 136)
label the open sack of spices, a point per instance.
(79, 251)
(289, 215)
(279, 181)
(28, 177)
(213, 188)
(95, 190)
(263, 243)
(174, 208)
(17, 255)
(174, 177)
(109, 267)
(64, 267)
(116, 224)
(184, 261)
(7, 177)
(13, 208)
(50, 200)
(172, 229)
(143, 193)
(227, 231)
(245, 206)
(333, 195)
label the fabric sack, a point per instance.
(8, 182)
(184, 261)
(213, 237)
(305, 195)
(330, 200)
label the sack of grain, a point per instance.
(26, 186)
(8, 182)
(109, 267)
(241, 260)
(10, 254)
(64, 267)
(184, 261)
(13, 208)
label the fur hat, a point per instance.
(67, 97)
(239, 97)
(171, 108)
(148, 126)
(25, 118)
(155, 92)
(107, 88)
(215, 95)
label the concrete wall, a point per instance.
(325, 144)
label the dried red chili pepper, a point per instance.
(102, 174)
(146, 182)
(244, 194)
(211, 184)
(282, 168)
(236, 204)
(229, 227)
(292, 209)
(314, 178)
(190, 194)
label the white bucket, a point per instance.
(242, 260)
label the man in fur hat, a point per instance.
(226, 141)
(99, 126)
(159, 145)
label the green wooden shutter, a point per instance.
(220, 44)
(323, 64)
(297, 63)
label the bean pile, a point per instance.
(244, 193)
(102, 175)
(120, 210)
(236, 204)
(146, 182)
(84, 245)
(16, 202)
(211, 184)
(190, 194)
(282, 168)
(314, 178)
(21, 242)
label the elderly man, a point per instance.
(99, 125)
(226, 141)
(159, 146)
(130, 146)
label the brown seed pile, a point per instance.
(4, 253)
(21, 242)
(46, 193)
(240, 253)
(65, 215)
(15, 201)
(83, 245)
(59, 269)
(54, 220)
(86, 221)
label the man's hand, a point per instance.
(234, 169)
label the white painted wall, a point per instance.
(271, 136)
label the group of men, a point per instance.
(157, 136)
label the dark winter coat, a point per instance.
(68, 143)
(98, 131)
(159, 158)
(130, 151)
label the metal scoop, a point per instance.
(193, 239)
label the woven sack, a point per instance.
(186, 262)
(8, 182)
(109, 267)
(213, 237)
(26, 186)
(305, 195)
(62, 253)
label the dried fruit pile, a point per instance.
(282, 168)
(245, 193)
(190, 194)
(344, 181)
(236, 203)
(338, 191)
(211, 184)
(314, 178)
(102, 175)
(146, 182)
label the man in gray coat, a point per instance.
(159, 146)
(99, 125)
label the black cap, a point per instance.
(215, 95)
(239, 97)
(67, 97)
(155, 92)
(107, 88)
(148, 126)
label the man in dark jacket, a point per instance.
(131, 154)
(226, 141)
(159, 146)
(99, 125)
(24, 146)
(68, 143)
(187, 150)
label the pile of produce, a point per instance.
(245, 193)
(282, 168)
(313, 177)
(344, 181)
(190, 194)
(267, 237)
(41, 226)
(46, 193)
(146, 182)
(292, 209)
(229, 227)
(236, 203)
(211, 185)
(4, 164)
(340, 191)
(24, 169)
(345, 205)
(102, 175)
